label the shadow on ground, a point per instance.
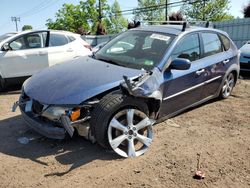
(75, 152)
(245, 75)
(11, 90)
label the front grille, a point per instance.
(37, 107)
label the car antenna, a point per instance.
(184, 25)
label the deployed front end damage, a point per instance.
(147, 86)
(53, 121)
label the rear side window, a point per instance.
(57, 40)
(212, 44)
(188, 48)
(225, 41)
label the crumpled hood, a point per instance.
(76, 81)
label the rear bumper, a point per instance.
(46, 129)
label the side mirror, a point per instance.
(6, 47)
(180, 64)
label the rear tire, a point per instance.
(121, 123)
(228, 85)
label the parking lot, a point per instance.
(218, 131)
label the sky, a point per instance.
(36, 12)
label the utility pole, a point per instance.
(204, 16)
(166, 11)
(100, 11)
(15, 19)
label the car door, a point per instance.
(59, 49)
(217, 58)
(26, 56)
(183, 88)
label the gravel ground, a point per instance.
(218, 131)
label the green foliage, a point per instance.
(72, 17)
(85, 17)
(27, 27)
(152, 14)
(115, 23)
(214, 10)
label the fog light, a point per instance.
(75, 114)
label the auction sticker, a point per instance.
(160, 37)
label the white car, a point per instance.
(25, 53)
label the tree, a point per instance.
(151, 14)
(84, 17)
(176, 16)
(71, 17)
(207, 10)
(246, 11)
(26, 27)
(115, 22)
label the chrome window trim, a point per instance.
(191, 88)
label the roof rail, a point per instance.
(183, 23)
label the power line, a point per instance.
(148, 9)
(38, 8)
(34, 9)
(153, 6)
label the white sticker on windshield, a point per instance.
(160, 37)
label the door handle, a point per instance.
(226, 61)
(199, 72)
(41, 53)
(70, 50)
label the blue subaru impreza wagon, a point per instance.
(142, 76)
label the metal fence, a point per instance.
(238, 30)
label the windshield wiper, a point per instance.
(110, 61)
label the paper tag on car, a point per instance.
(28, 106)
(160, 37)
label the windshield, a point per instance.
(5, 36)
(136, 49)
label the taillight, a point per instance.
(88, 46)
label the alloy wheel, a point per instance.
(228, 85)
(130, 132)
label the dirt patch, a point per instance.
(218, 131)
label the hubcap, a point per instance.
(130, 133)
(228, 85)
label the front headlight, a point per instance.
(54, 112)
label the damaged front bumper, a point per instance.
(52, 121)
(44, 128)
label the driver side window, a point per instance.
(188, 48)
(29, 41)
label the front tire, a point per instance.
(121, 123)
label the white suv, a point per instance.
(25, 53)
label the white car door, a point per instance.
(59, 50)
(26, 56)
